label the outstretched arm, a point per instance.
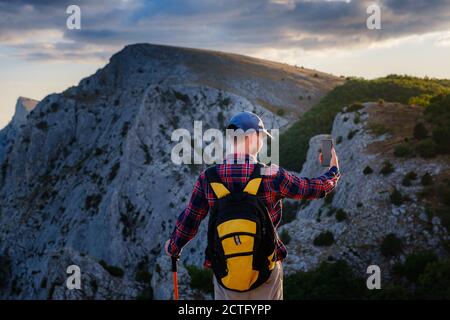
(188, 222)
(291, 186)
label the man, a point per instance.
(276, 184)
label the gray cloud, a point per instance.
(248, 24)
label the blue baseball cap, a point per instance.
(246, 120)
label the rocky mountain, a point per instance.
(86, 177)
(362, 211)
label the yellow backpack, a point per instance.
(241, 236)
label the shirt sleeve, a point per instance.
(293, 187)
(188, 222)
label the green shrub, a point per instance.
(54, 107)
(391, 245)
(390, 292)
(125, 128)
(99, 151)
(324, 239)
(420, 131)
(396, 197)
(338, 139)
(114, 170)
(444, 193)
(441, 136)
(434, 283)
(42, 125)
(397, 269)
(438, 115)
(422, 100)
(181, 96)
(367, 170)
(427, 148)
(427, 179)
(411, 175)
(351, 134)
(387, 168)
(5, 271)
(406, 182)
(201, 278)
(341, 215)
(112, 270)
(402, 150)
(289, 211)
(43, 283)
(143, 276)
(145, 294)
(285, 237)
(92, 201)
(416, 263)
(329, 198)
(223, 103)
(280, 112)
(331, 211)
(377, 129)
(4, 169)
(328, 281)
(354, 107)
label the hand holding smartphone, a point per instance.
(326, 146)
(327, 153)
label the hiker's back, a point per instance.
(241, 236)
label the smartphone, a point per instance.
(327, 144)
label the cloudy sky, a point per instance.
(39, 55)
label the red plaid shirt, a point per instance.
(277, 183)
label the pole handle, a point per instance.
(174, 263)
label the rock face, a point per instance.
(96, 282)
(23, 108)
(88, 176)
(365, 200)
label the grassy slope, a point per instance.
(294, 141)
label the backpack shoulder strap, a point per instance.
(254, 181)
(215, 182)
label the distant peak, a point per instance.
(23, 108)
(27, 103)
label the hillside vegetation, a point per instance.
(421, 276)
(319, 119)
(415, 115)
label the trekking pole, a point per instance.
(175, 277)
